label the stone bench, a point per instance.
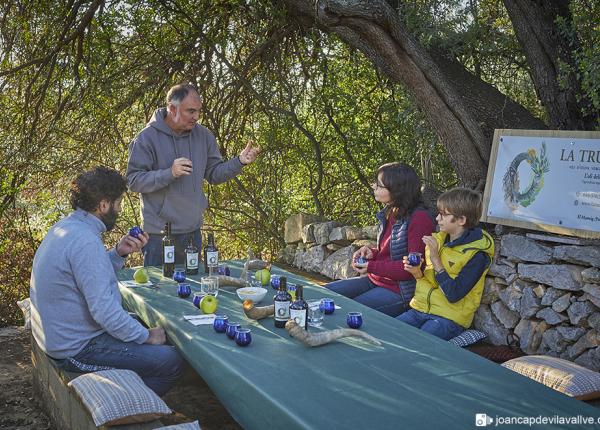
(62, 405)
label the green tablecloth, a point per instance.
(412, 381)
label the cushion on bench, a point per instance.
(468, 337)
(118, 396)
(183, 426)
(562, 375)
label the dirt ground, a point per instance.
(19, 409)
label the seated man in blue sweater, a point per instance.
(76, 315)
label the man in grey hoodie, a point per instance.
(76, 312)
(168, 162)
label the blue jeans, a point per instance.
(153, 251)
(364, 291)
(433, 324)
(159, 366)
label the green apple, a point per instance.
(141, 276)
(264, 276)
(208, 304)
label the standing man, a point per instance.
(168, 162)
(76, 313)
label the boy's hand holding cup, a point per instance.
(413, 270)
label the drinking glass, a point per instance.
(327, 306)
(414, 258)
(315, 313)
(179, 275)
(184, 290)
(354, 319)
(209, 285)
(220, 323)
(243, 336)
(197, 298)
(275, 281)
(231, 329)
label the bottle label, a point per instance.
(191, 260)
(212, 258)
(299, 316)
(169, 254)
(282, 311)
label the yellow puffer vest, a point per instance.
(429, 298)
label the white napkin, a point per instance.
(133, 284)
(200, 319)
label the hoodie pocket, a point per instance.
(184, 210)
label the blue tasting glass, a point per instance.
(197, 298)
(414, 258)
(179, 275)
(232, 327)
(184, 290)
(243, 336)
(327, 306)
(220, 323)
(354, 319)
(275, 281)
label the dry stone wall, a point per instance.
(543, 288)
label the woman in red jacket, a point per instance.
(383, 284)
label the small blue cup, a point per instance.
(361, 260)
(231, 329)
(223, 269)
(327, 306)
(414, 258)
(243, 336)
(135, 231)
(184, 290)
(354, 319)
(275, 279)
(220, 323)
(197, 298)
(179, 275)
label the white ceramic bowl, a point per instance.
(256, 294)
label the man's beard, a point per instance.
(110, 218)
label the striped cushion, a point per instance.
(468, 337)
(118, 396)
(562, 375)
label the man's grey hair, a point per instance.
(178, 92)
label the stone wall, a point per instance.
(543, 288)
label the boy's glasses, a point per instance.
(442, 214)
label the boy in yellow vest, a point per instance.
(457, 259)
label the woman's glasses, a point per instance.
(377, 185)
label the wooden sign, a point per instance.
(545, 180)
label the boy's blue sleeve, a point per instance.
(457, 288)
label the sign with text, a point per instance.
(545, 180)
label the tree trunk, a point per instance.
(535, 24)
(462, 108)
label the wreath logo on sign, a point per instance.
(510, 183)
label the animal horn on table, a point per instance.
(255, 313)
(230, 281)
(324, 337)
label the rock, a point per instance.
(551, 295)
(558, 239)
(364, 242)
(587, 341)
(298, 257)
(345, 235)
(371, 232)
(287, 254)
(322, 231)
(294, 225)
(312, 259)
(519, 248)
(579, 311)
(501, 270)
(530, 303)
(550, 316)
(590, 359)
(308, 233)
(552, 341)
(508, 318)
(595, 300)
(592, 290)
(591, 274)
(337, 265)
(561, 276)
(594, 320)
(486, 322)
(562, 303)
(539, 291)
(333, 247)
(570, 334)
(490, 291)
(530, 334)
(584, 255)
(511, 296)
(500, 281)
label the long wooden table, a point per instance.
(412, 381)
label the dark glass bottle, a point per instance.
(191, 258)
(168, 252)
(282, 300)
(211, 254)
(299, 309)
